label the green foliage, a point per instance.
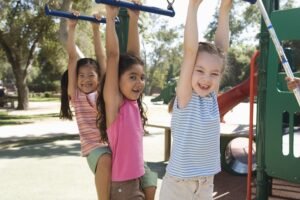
(238, 66)
(162, 49)
(36, 37)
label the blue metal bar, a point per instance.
(72, 16)
(251, 1)
(168, 12)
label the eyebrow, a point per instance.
(201, 67)
(134, 73)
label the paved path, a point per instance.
(54, 170)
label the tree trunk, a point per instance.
(22, 88)
(23, 94)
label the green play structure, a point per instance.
(277, 133)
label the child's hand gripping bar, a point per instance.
(279, 49)
(125, 4)
(72, 16)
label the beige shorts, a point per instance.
(127, 190)
(196, 188)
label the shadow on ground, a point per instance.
(46, 149)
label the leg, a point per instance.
(103, 177)
(149, 192)
(206, 187)
(149, 183)
(178, 189)
(99, 161)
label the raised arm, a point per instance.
(133, 46)
(99, 49)
(190, 48)
(111, 92)
(222, 32)
(71, 49)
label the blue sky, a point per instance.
(205, 14)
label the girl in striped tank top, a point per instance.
(195, 124)
(79, 86)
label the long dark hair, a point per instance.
(65, 110)
(125, 63)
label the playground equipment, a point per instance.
(277, 132)
(276, 42)
(279, 138)
(234, 147)
(125, 4)
(229, 99)
(70, 15)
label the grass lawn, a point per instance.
(43, 99)
(6, 119)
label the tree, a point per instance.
(162, 49)
(26, 34)
(22, 27)
(245, 19)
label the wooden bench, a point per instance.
(228, 132)
(10, 99)
(167, 139)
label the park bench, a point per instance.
(167, 130)
(8, 99)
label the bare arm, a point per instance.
(292, 83)
(71, 49)
(133, 45)
(190, 48)
(111, 92)
(222, 32)
(99, 49)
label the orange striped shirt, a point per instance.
(86, 114)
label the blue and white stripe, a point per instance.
(196, 138)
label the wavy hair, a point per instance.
(126, 61)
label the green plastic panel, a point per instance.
(281, 105)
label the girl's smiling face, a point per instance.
(132, 82)
(87, 79)
(207, 73)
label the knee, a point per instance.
(105, 161)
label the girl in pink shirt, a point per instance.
(120, 103)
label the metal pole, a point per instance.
(122, 29)
(262, 178)
(278, 47)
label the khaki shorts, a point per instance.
(200, 188)
(94, 156)
(149, 179)
(127, 190)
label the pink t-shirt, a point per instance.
(126, 142)
(86, 115)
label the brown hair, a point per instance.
(212, 49)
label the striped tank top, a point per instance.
(86, 115)
(196, 138)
